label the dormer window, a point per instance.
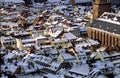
(100, 26)
(106, 17)
(115, 19)
(115, 30)
(108, 28)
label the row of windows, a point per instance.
(9, 43)
(104, 38)
(7, 2)
(44, 64)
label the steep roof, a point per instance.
(108, 22)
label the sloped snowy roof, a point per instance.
(101, 76)
(81, 69)
(92, 42)
(7, 39)
(108, 22)
(67, 56)
(14, 1)
(56, 34)
(82, 1)
(40, 37)
(21, 53)
(70, 36)
(12, 68)
(9, 56)
(83, 29)
(58, 40)
(28, 40)
(46, 60)
(60, 7)
(54, 0)
(18, 1)
(54, 66)
(54, 76)
(25, 63)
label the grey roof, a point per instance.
(107, 26)
(70, 36)
(83, 1)
(82, 69)
(108, 23)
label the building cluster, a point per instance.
(54, 40)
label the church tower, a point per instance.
(101, 6)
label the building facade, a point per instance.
(101, 6)
(106, 29)
(106, 38)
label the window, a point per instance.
(76, 74)
(55, 67)
(84, 57)
(3, 43)
(6, 42)
(71, 73)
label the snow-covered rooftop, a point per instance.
(82, 1)
(54, 0)
(81, 69)
(70, 36)
(110, 17)
(14, 1)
